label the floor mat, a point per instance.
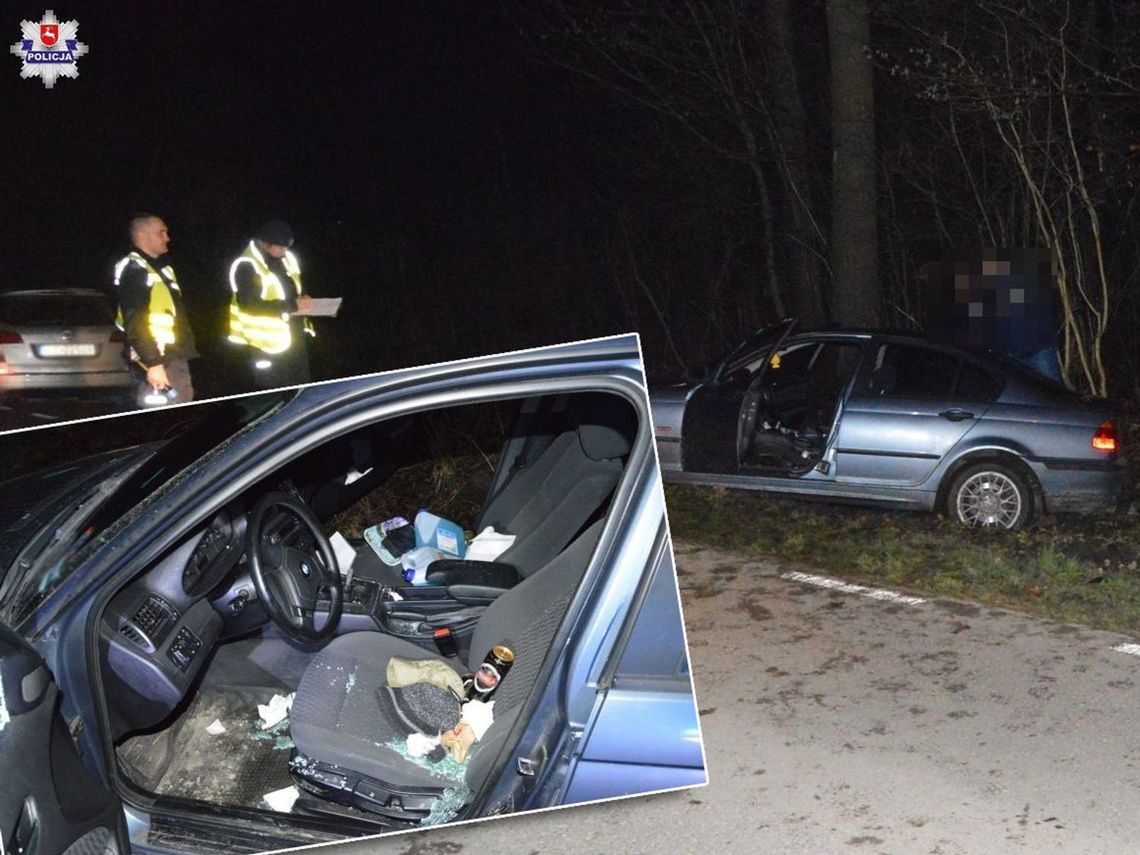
(267, 659)
(147, 757)
(236, 767)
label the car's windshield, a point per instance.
(748, 356)
(44, 562)
(221, 421)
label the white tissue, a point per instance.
(420, 744)
(282, 800)
(479, 715)
(276, 710)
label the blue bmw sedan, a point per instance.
(891, 419)
(192, 659)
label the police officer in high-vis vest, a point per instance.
(158, 340)
(266, 284)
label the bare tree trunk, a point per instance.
(854, 245)
(771, 277)
(806, 243)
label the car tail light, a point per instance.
(1105, 437)
(117, 337)
(10, 337)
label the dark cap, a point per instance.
(276, 232)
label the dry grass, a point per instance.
(450, 474)
(1075, 569)
(453, 487)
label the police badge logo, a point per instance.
(41, 52)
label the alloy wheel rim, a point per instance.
(989, 500)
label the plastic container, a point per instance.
(416, 562)
(440, 533)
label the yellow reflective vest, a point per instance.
(267, 332)
(161, 310)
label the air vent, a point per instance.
(150, 623)
(132, 632)
(153, 614)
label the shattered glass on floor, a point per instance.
(237, 767)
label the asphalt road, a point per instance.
(836, 722)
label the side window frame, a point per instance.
(962, 362)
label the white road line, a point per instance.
(849, 588)
(1131, 649)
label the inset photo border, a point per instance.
(344, 609)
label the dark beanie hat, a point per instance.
(422, 707)
(276, 232)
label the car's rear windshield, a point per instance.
(69, 310)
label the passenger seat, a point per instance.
(552, 499)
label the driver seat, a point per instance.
(342, 735)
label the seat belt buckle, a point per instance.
(445, 641)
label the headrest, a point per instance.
(607, 428)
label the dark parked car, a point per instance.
(891, 419)
(59, 339)
(153, 597)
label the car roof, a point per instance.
(863, 332)
(54, 292)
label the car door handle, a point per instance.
(956, 415)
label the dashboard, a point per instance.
(214, 556)
(157, 633)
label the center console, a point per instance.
(440, 617)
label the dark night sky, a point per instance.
(377, 130)
(265, 106)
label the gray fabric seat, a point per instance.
(546, 503)
(337, 720)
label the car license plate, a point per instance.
(67, 350)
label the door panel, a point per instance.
(49, 802)
(646, 735)
(711, 437)
(710, 429)
(895, 441)
(910, 406)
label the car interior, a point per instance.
(255, 603)
(790, 405)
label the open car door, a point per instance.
(49, 802)
(712, 430)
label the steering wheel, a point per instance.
(756, 396)
(286, 578)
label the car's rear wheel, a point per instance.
(990, 495)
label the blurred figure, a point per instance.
(158, 340)
(997, 299)
(266, 284)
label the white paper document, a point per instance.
(488, 545)
(345, 552)
(322, 307)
